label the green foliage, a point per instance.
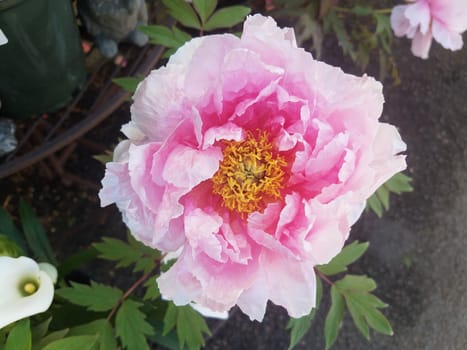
(131, 326)
(49, 338)
(379, 201)
(364, 306)
(332, 22)
(100, 328)
(81, 342)
(300, 326)
(190, 326)
(126, 254)
(128, 84)
(227, 17)
(8, 228)
(204, 8)
(152, 290)
(8, 247)
(19, 337)
(169, 37)
(334, 317)
(347, 256)
(35, 234)
(95, 297)
(183, 13)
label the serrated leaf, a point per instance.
(399, 183)
(300, 326)
(8, 228)
(152, 290)
(170, 318)
(36, 236)
(19, 337)
(117, 250)
(183, 13)
(349, 254)
(131, 326)
(128, 83)
(227, 17)
(334, 317)
(356, 283)
(82, 342)
(95, 297)
(358, 319)
(205, 8)
(102, 328)
(191, 328)
(334, 23)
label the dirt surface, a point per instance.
(418, 250)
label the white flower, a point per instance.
(27, 288)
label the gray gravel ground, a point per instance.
(418, 252)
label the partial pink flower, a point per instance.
(251, 161)
(423, 20)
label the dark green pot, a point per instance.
(42, 63)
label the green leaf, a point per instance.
(19, 337)
(96, 297)
(183, 13)
(347, 256)
(205, 8)
(334, 23)
(300, 326)
(8, 228)
(334, 317)
(160, 35)
(227, 17)
(39, 331)
(128, 83)
(362, 10)
(77, 260)
(190, 326)
(358, 319)
(152, 290)
(82, 342)
(131, 326)
(356, 283)
(8, 247)
(126, 254)
(374, 204)
(102, 328)
(35, 234)
(49, 338)
(383, 195)
(399, 183)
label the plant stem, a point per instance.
(133, 287)
(324, 277)
(346, 10)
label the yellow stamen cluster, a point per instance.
(250, 176)
(29, 288)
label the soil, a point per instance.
(417, 252)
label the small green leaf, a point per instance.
(128, 83)
(358, 319)
(160, 35)
(8, 228)
(49, 338)
(102, 328)
(383, 195)
(300, 326)
(152, 290)
(334, 317)
(35, 234)
(334, 23)
(227, 17)
(349, 254)
(131, 326)
(39, 331)
(182, 12)
(190, 328)
(96, 297)
(399, 183)
(356, 283)
(374, 204)
(170, 318)
(81, 342)
(19, 337)
(205, 8)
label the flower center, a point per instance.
(29, 288)
(250, 176)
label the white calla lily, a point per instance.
(27, 288)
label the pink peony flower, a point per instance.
(422, 20)
(253, 160)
